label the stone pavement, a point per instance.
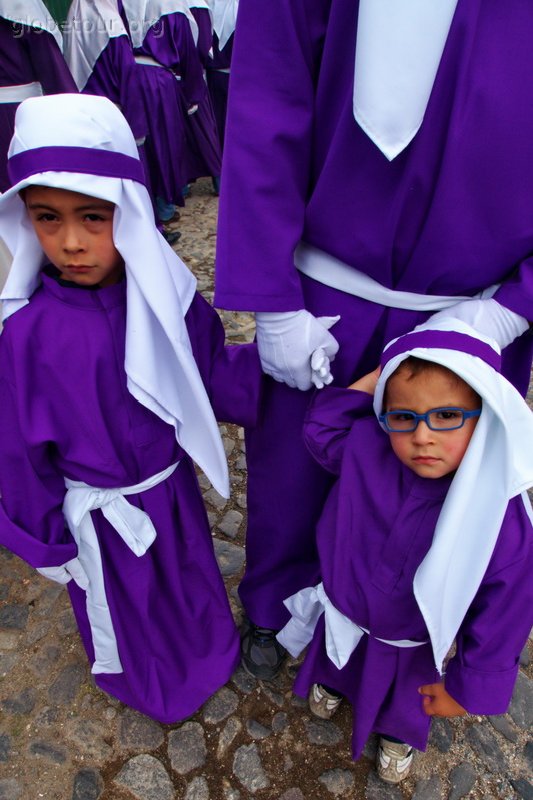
(63, 739)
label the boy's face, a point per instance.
(429, 453)
(76, 234)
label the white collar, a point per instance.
(32, 13)
(143, 14)
(88, 28)
(398, 51)
(224, 19)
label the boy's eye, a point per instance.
(447, 415)
(94, 218)
(46, 216)
(401, 416)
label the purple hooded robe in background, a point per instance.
(27, 55)
(168, 91)
(376, 527)
(452, 214)
(218, 72)
(203, 152)
(66, 411)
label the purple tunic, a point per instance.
(168, 91)
(218, 72)
(27, 55)
(66, 411)
(451, 214)
(377, 526)
(116, 76)
(203, 154)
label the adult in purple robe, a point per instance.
(31, 63)
(219, 64)
(66, 411)
(451, 215)
(171, 83)
(203, 152)
(377, 526)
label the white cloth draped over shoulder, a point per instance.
(398, 51)
(32, 13)
(88, 28)
(143, 14)
(161, 371)
(224, 13)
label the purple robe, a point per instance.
(452, 214)
(27, 55)
(168, 91)
(218, 72)
(116, 76)
(66, 411)
(376, 527)
(203, 154)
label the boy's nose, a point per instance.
(422, 432)
(72, 241)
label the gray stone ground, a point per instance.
(63, 739)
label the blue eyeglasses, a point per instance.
(437, 419)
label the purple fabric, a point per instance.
(450, 340)
(66, 411)
(166, 100)
(205, 34)
(451, 215)
(218, 82)
(107, 163)
(30, 55)
(116, 76)
(376, 528)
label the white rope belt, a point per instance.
(225, 70)
(137, 531)
(16, 94)
(327, 269)
(148, 61)
(342, 635)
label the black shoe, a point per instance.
(262, 654)
(171, 236)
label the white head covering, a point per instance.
(32, 13)
(84, 144)
(497, 466)
(89, 26)
(142, 14)
(224, 13)
(398, 50)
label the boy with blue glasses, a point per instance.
(425, 540)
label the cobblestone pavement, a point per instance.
(63, 739)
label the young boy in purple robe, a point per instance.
(425, 539)
(109, 363)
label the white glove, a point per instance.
(286, 341)
(320, 368)
(72, 570)
(489, 318)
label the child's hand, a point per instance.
(367, 383)
(438, 703)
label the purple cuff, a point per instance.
(445, 340)
(85, 160)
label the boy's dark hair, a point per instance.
(418, 366)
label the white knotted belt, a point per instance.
(148, 61)
(20, 92)
(137, 531)
(342, 635)
(326, 269)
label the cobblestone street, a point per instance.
(61, 738)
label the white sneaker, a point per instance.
(393, 760)
(321, 703)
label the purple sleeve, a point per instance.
(329, 420)
(266, 164)
(517, 292)
(482, 674)
(31, 518)
(49, 66)
(231, 373)
(205, 33)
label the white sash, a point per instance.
(327, 269)
(137, 531)
(342, 635)
(20, 92)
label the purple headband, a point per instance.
(445, 340)
(86, 160)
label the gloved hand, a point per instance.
(489, 318)
(71, 570)
(286, 341)
(320, 368)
